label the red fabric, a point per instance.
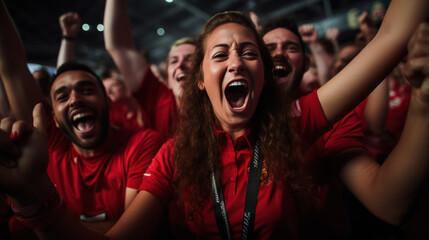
(158, 103)
(94, 185)
(310, 118)
(118, 117)
(275, 213)
(327, 219)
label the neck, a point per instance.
(84, 152)
(177, 102)
(235, 133)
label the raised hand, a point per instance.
(255, 20)
(332, 34)
(308, 33)
(367, 26)
(24, 157)
(417, 66)
(70, 24)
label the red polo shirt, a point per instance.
(159, 104)
(275, 213)
(327, 219)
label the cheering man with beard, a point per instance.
(339, 153)
(96, 168)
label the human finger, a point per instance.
(39, 118)
(6, 125)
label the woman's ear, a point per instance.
(201, 85)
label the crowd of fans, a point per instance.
(265, 131)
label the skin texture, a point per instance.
(232, 55)
(179, 63)
(286, 50)
(77, 92)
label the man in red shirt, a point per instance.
(341, 145)
(95, 167)
(158, 101)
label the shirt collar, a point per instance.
(247, 140)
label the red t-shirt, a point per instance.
(158, 103)
(275, 213)
(119, 117)
(327, 219)
(96, 185)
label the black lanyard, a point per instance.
(251, 199)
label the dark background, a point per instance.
(37, 22)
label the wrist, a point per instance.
(43, 213)
(68, 38)
(419, 103)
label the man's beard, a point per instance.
(291, 86)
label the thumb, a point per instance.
(39, 117)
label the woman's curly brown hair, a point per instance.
(197, 147)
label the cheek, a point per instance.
(296, 60)
(170, 70)
(259, 73)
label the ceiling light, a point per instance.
(85, 27)
(100, 27)
(160, 31)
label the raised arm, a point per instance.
(390, 190)
(377, 108)
(120, 45)
(310, 37)
(349, 87)
(22, 90)
(4, 103)
(70, 25)
(367, 26)
(377, 105)
(332, 35)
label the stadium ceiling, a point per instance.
(157, 24)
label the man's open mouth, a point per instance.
(83, 122)
(281, 70)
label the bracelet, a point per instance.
(68, 38)
(42, 214)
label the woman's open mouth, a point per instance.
(236, 94)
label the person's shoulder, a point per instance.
(144, 133)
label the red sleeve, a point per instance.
(159, 104)
(346, 133)
(360, 111)
(159, 176)
(309, 116)
(144, 146)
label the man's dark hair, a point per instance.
(286, 22)
(72, 66)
